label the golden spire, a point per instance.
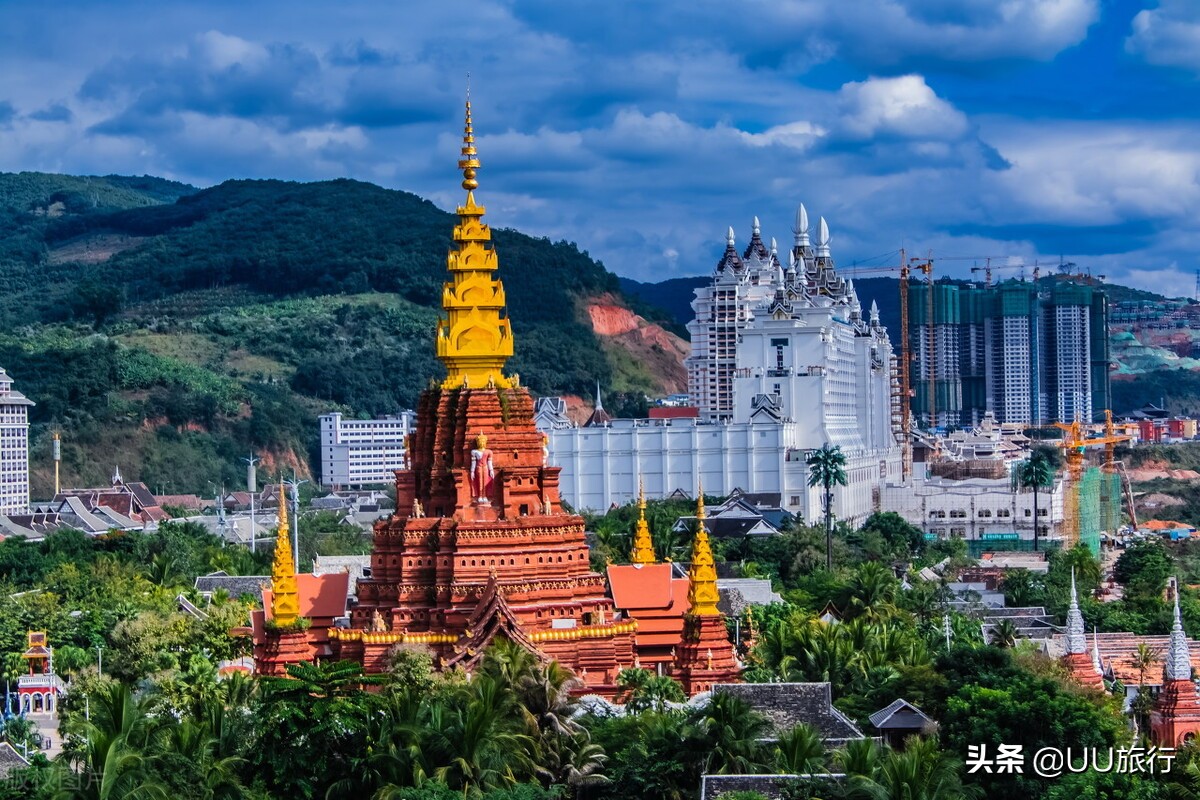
(474, 340)
(285, 597)
(643, 545)
(702, 574)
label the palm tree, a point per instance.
(1036, 471)
(921, 772)
(731, 731)
(800, 751)
(827, 468)
(114, 762)
(1004, 634)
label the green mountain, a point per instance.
(171, 330)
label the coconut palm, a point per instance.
(731, 731)
(1038, 472)
(800, 751)
(114, 761)
(827, 468)
(921, 772)
(1004, 634)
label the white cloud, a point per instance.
(905, 107)
(1168, 36)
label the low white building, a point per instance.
(363, 452)
(808, 370)
(14, 448)
(976, 508)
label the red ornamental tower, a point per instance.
(705, 655)
(1175, 719)
(479, 545)
(1084, 669)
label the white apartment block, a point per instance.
(14, 448)
(363, 452)
(807, 370)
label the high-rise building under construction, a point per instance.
(1029, 354)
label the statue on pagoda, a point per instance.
(482, 471)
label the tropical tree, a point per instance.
(1037, 472)
(922, 772)
(800, 751)
(827, 468)
(642, 689)
(115, 759)
(1004, 634)
(730, 732)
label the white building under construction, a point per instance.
(783, 362)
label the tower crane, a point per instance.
(987, 269)
(1074, 444)
(905, 268)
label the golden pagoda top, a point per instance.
(643, 545)
(474, 340)
(702, 573)
(285, 596)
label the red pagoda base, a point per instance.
(706, 655)
(1083, 670)
(496, 554)
(1175, 719)
(277, 651)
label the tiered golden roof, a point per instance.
(643, 545)
(285, 596)
(702, 574)
(475, 339)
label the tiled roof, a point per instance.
(10, 760)
(641, 586)
(320, 596)
(234, 585)
(901, 715)
(1117, 652)
(787, 705)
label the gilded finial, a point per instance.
(643, 544)
(702, 573)
(469, 163)
(285, 601)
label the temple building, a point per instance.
(298, 610)
(653, 594)
(1084, 668)
(1175, 720)
(480, 545)
(784, 360)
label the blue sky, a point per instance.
(1012, 129)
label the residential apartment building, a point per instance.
(363, 452)
(1029, 354)
(14, 448)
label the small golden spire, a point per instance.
(702, 573)
(285, 596)
(643, 544)
(469, 163)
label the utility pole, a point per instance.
(252, 487)
(57, 451)
(294, 484)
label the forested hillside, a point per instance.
(171, 330)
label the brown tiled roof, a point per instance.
(492, 616)
(1117, 652)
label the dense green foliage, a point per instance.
(173, 330)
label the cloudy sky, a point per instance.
(1011, 129)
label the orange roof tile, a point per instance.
(641, 586)
(320, 596)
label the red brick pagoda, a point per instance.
(479, 545)
(1175, 719)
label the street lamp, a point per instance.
(251, 487)
(295, 485)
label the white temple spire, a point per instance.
(823, 239)
(801, 228)
(757, 229)
(1179, 656)
(1096, 651)
(729, 237)
(1076, 633)
(599, 401)
(874, 313)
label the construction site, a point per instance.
(986, 372)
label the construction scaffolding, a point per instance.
(1099, 506)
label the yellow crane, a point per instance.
(1074, 444)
